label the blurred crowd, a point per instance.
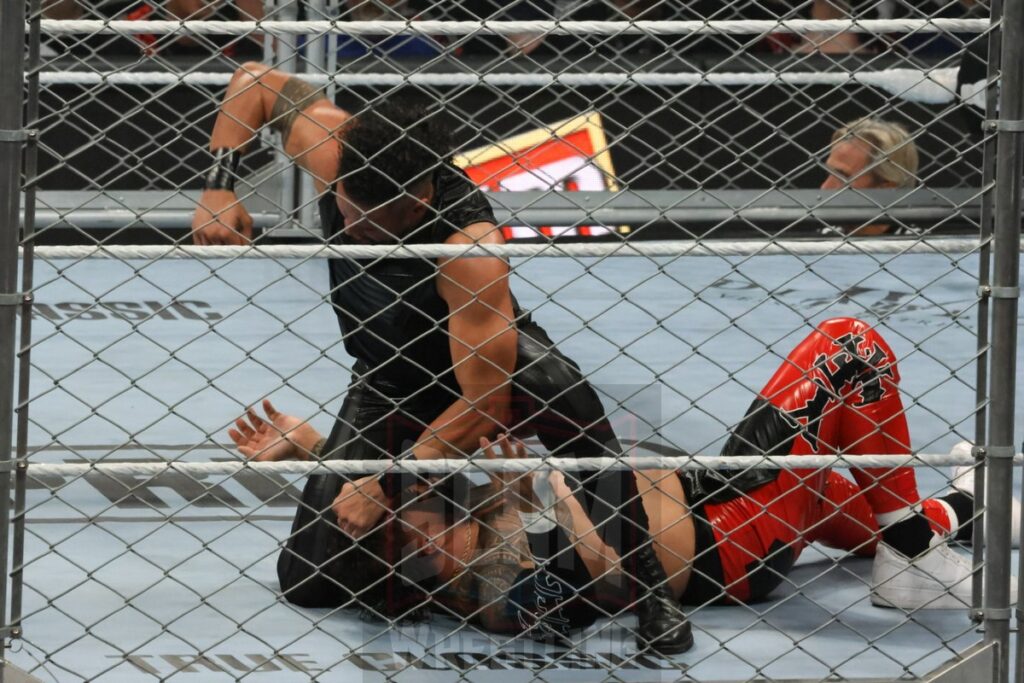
(521, 44)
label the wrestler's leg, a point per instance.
(914, 568)
(836, 392)
(671, 524)
(849, 523)
(368, 427)
(841, 386)
(846, 520)
(760, 518)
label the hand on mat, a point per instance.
(360, 505)
(221, 219)
(284, 437)
(518, 486)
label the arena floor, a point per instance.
(682, 344)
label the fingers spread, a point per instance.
(244, 428)
(507, 449)
(269, 409)
(255, 419)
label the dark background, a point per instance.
(116, 138)
(135, 138)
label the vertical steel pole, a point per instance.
(331, 64)
(984, 320)
(24, 365)
(288, 61)
(316, 62)
(1005, 280)
(12, 56)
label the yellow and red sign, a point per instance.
(570, 155)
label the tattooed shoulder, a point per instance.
(494, 580)
(502, 553)
(503, 530)
(295, 97)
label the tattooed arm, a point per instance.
(504, 555)
(546, 598)
(482, 592)
(258, 96)
(553, 597)
(307, 121)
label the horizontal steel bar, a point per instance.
(463, 28)
(1003, 125)
(20, 135)
(173, 210)
(677, 248)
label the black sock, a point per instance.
(963, 507)
(910, 536)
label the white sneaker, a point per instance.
(962, 479)
(937, 579)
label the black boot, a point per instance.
(662, 625)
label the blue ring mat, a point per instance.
(175, 350)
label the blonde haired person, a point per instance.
(871, 153)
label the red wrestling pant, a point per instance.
(837, 392)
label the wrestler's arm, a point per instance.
(483, 347)
(279, 437)
(505, 604)
(307, 121)
(483, 342)
(554, 595)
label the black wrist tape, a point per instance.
(221, 175)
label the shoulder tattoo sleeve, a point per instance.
(494, 586)
(504, 554)
(295, 97)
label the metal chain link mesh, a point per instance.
(640, 131)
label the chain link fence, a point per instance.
(685, 192)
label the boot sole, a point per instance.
(934, 600)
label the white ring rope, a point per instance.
(935, 86)
(444, 466)
(463, 28)
(809, 247)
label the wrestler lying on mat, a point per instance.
(530, 559)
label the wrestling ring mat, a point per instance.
(181, 576)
